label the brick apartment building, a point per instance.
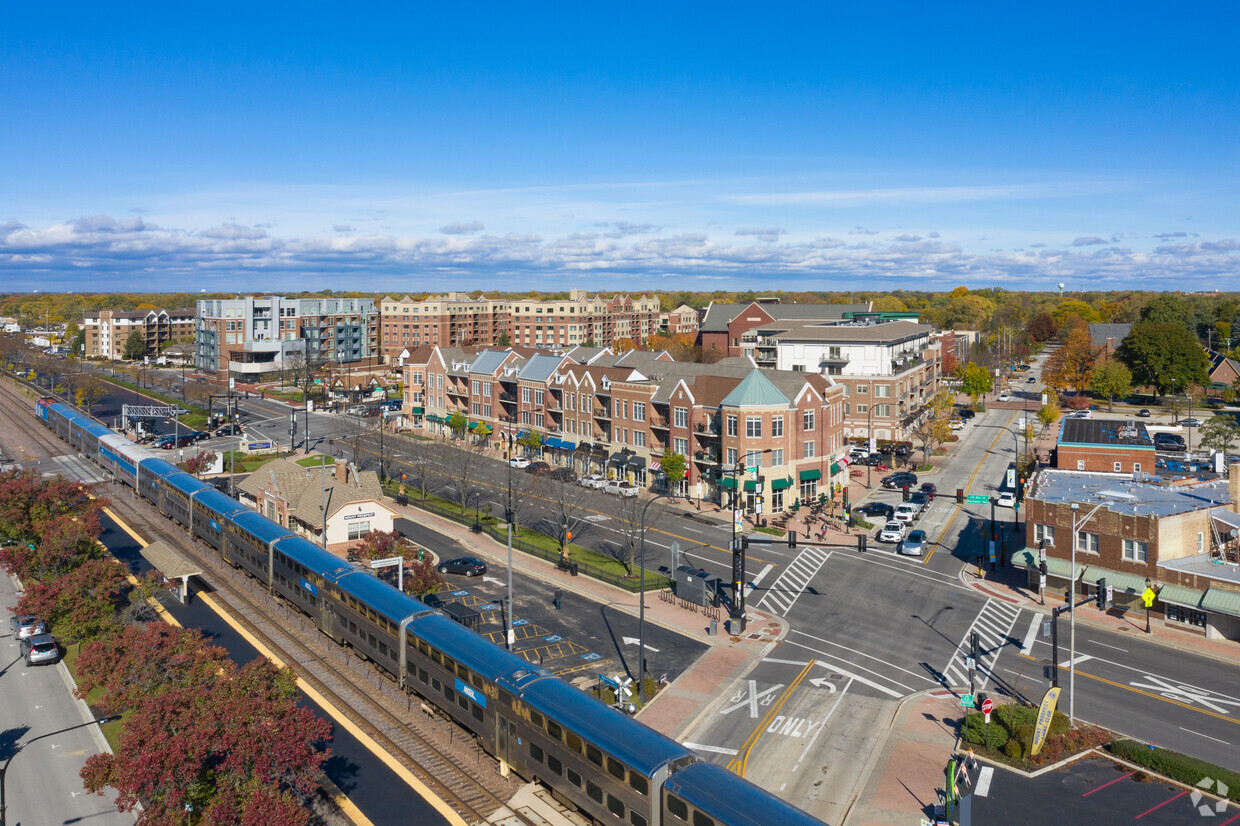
(684, 320)
(727, 329)
(1104, 446)
(619, 415)
(108, 330)
(457, 320)
(254, 337)
(1175, 535)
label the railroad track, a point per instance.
(443, 757)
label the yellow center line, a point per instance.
(967, 485)
(739, 764)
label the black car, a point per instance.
(871, 460)
(902, 450)
(895, 481)
(886, 449)
(881, 509)
(930, 489)
(467, 565)
(564, 474)
(538, 468)
(966, 414)
(229, 430)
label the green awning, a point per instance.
(415, 411)
(1177, 595)
(483, 429)
(806, 475)
(751, 485)
(835, 468)
(1028, 558)
(434, 417)
(781, 484)
(473, 425)
(1221, 602)
(728, 482)
(1118, 581)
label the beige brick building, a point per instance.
(108, 330)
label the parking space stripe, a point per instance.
(1160, 805)
(1104, 785)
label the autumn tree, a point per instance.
(934, 429)
(457, 423)
(531, 440)
(1073, 361)
(90, 390)
(381, 545)
(1110, 379)
(422, 578)
(1041, 328)
(1219, 433)
(1163, 356)
(80, 604)
(622, 345)
(1049, 413)
(200, 462)
(674, 466)
(976, 381)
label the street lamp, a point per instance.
(17, 750)
(1076, 526)
(1147, 607)
(641, 600)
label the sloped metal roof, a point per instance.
(755, 390)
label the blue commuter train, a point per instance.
(608, 765)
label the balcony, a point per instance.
(508, 398)
(657, 423)
(706, 457)
(709, 430)
(602, 413)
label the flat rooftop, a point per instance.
(1120, 493)
(1204, 565)
(1112, 432)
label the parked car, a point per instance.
(1143, 413)
(625, 489)
(1007, 499)
(895, 481)
(913, 544)
(1031, 380)
(40, 649)
(564, 474)
(467, 565)
(356, 410)
(171, 442)
(907, 512)
(919, 499)
(389, 404)
(1080, 414)
(538, 468)
(903, 450)
(956, 424)
(1191, 422)
(1004, 395)
(966, 414)
(1023, 367)
(879, 509)
(893, 531)
(199, 435)
(873, 460)
(593, 480)
(519, 461)
(18, 620)
(29, 627)
(930, 489)
(1171, 442)
(887, 449)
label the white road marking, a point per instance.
(761, 574)
(983, 781)
(863, 654)
(1116, 647)
(835, 666)
(1208, 737)
(1079, 659)
(1031, 634)
(694, 530)
(714, 749)
(822, 725)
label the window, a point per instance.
(753, 458)
(1134, 551)
(862, 408)
(1087, 542)
(358, 529)
(731, 425)
(777, 457)
(700, 819)
(753, 427)
(680, 446)
(883, 391)
(615, 768)
(639, 783)
(593, 790)
(807, 450)
(525, 395)
(1044, 533)
(863, 388)
(1080, 464)
(538, 396)
(639, 411)
(777, 427)
(807, 420)
(1136, 467)
(1201, 543)
(731, 457)
(677, 807)
(1118, 467)
(1178, 613)
(681, 416)
(639, 439)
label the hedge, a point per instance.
(1175, 765)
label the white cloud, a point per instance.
(342, 228)
(463, 229)
(770, 235)
(1087, 241)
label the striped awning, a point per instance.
(1221, 602)
(1177, 595)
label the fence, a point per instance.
(498, 531)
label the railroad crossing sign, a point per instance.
(977, 498)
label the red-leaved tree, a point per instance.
(81, 604)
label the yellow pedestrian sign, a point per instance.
(1147, 598)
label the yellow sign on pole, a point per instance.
(1147, 598)
(1045, 713)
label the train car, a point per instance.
(121, 456)
(371, 617)
(210, 510)
(175, 493)
(88, 434)
(152, 470)
(300, 570)
(250, 545)
(708, 795)
(42, 409)
(594, 755)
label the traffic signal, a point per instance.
(959, 496)
(744, 542)
(1042, 569)
(792, 539)
(905, 490)
(1101, 597)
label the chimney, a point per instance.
(342, 471)
(1233, 485)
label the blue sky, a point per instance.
(550, 146)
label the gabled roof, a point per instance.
(755, 390)
(539, 367)
(1101, 333)
(303, 488)
(488, 362)
(719, 316)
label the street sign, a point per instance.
(977, 498)
(1147, 597)
(966, 701)
(1110, 594)
(988, 705)
(1042, 554)
(1042, 582)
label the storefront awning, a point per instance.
(728, 482)
(619, 459)
(1221, 602)
(806, 475)
(637, 462)
(835, 468)
(415, 411)
(1062, 568)
(781, 484)
(432, 417)
(483, 429)
(568, 445)
(551, 441)
(1177, 595)
(655, 465)
(1118, 581)
(751, 485)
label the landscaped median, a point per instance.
(1179, 767)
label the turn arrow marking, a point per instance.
(636, 641)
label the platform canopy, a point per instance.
(168, 561)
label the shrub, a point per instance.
(975, 732)
(1177, 766)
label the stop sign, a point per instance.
(988, 705)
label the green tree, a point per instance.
(533, 440)
(976, 381)
(1110, 379)
(1168, 308)
(673, 464)
(504, 340)
(135, 346)
(457, 424)
(1163, 356)
(1219, 433)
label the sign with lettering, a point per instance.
(1045, 713)
(358, 515)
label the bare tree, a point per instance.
(418, 457)
(464, 464)
(567, 506)
(515, 495)
(628, 524)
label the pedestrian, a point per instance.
(559, 596)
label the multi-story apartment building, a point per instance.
(888, 370)
(457, 320)
(108, 330)
(620, 415)
(254, 336)
(727, 329)
(684, 320)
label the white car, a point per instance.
(592, 481)
(956, 424)
(1005, 396)
(893, 532)
(1081, 414)
(907, 512)
(519, 461)
(1007, 499)
(625, 489)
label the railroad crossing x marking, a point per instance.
(740, 700)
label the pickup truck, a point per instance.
(622, 488)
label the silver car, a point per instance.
(40, 649)
(29, 626)
(914, 544)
